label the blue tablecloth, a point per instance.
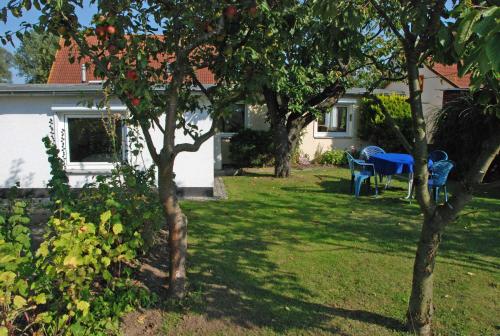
(392, 163)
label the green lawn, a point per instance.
(302, 256)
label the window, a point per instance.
(90, 140)
(337, 122)
(236, 121)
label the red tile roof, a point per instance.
(64, 72)
(450, 74)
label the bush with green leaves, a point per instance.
(374, 129)
(333, 157)
(17, 300)
(78, 282)
(251, 148)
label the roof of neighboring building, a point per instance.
(64, 72)
(450, 74)
(48, 89)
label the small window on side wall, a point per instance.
(334, 123)
(234, 122)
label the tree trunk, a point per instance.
(282, 149)
(177, 228)
(421, 309)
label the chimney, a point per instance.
(84, 73)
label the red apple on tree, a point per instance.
(252, 11)
(135, 101)
(131, 75)
(231, 11)
(111, 30)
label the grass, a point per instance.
(302, 256)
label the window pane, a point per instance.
(90, 142)
(236, 121)
(341, 125)
(334, 121)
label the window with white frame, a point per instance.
(336, 123)
(92, 141)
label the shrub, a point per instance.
(373, 128)
(78, 281)
(460, 129)
(334, 157)
(251, 148)
(16, 270)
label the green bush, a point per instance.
(374, 129)
(16, 270)
(251, 148)
(334, 157)
(79, 280)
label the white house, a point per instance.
(30, 112)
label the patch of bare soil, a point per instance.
(153, 275)
(143, 323)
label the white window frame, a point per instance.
(349, 103)
(62, 136)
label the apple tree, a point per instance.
(425, 33)
(299, 64)
(149, 54)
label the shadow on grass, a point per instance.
(230, 262)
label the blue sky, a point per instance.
(13, 24)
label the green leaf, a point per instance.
(40, 299)
(4, 331)
(19, 301)
(117, 228)
(492, 49)
(465, 30)
(106, 261)
(105, 216)
(7, 278)
(83, 306)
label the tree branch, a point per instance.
(335, 90)
(150, 144)
(387, 20)
(194, 147)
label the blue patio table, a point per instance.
(388, 164)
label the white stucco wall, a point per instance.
(24, 121)
(311, 143)
(432, 94)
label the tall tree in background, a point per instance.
(35, 56)
(423, 34)
(5, 64)
(299, 65)
(149, 58)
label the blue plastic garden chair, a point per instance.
(369, 151)
(438, 155)
(438, 177)
(360, 172)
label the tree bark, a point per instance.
(177, 228)
(282, 148)
(420, 309)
